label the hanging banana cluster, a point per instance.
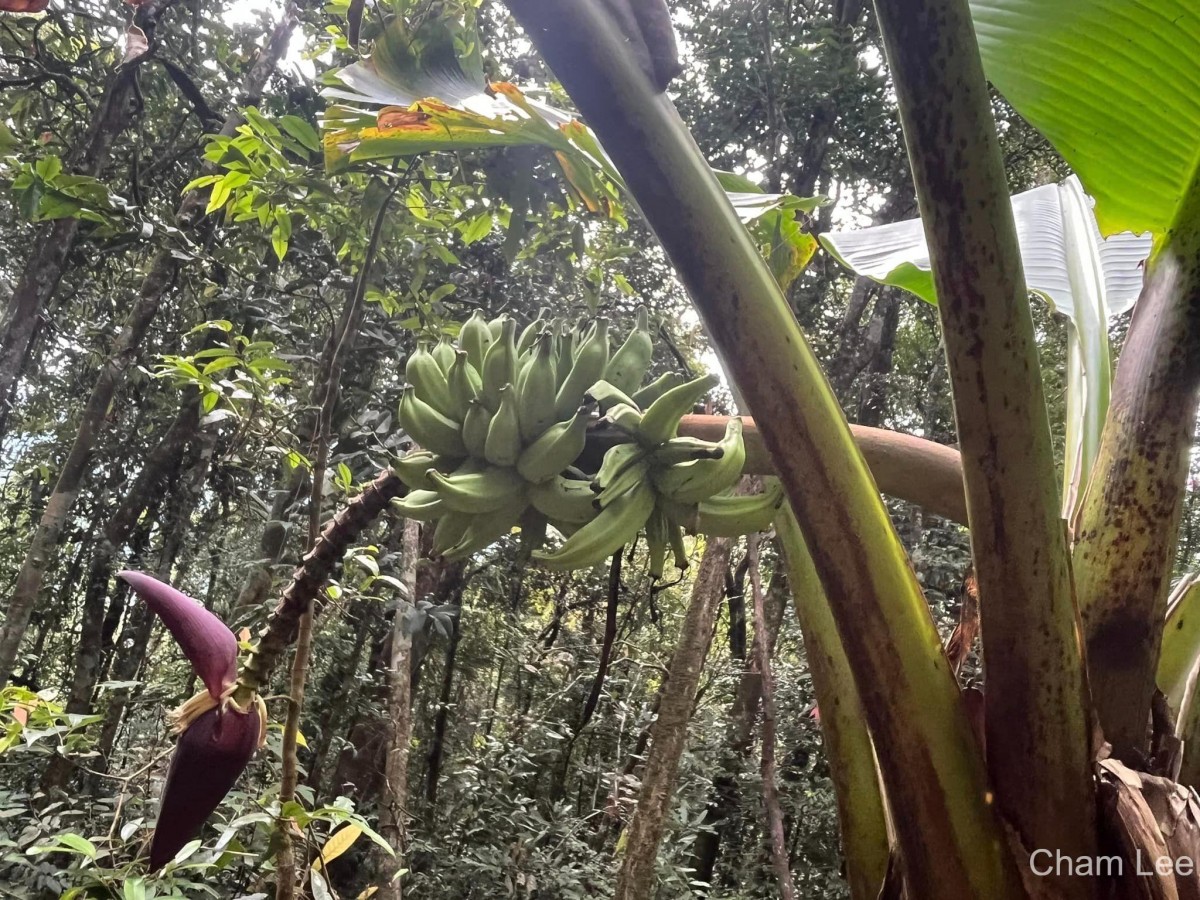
(502, 420)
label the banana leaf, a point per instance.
(426, 91)
(1180, 642)
(1083, 276)
(1114, 85)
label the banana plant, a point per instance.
(961, 833)
(1080, 71)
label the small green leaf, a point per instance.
(301, 131)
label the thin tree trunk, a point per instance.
(339, 675)
(393, 806)
(141, 495)
(437, 744)
(668, 735)
(153, 288)
(54, 241)
(762, 661)
(726, 795)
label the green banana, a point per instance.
(643, 397)
(566, 350)
(615, 525)
(424, 374)
(479, 492)
(500, 364)
(627, 418)
(590, 359)
(629, 477)
(475, 338)
(464, 382)
(727, 515)
(678, 549)
(503, 444)
(616, 458)
(566, 500)
(428, 427)
(628, 365)
(485, 529)
(475, 428)
(537, 388)
(496, 326)
(530, 335)
(608, 395)
(661, 420)
(685, 449)
(698, 480)
(443, 351)
(450, 530)
(411, 468)
(424, 506)
(557, 447)
(657, 541)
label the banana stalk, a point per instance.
(847, 742)
(1037, 709)
(1129, 520)
(953, 843)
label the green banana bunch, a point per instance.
(502, 419)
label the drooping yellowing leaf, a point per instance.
(339, 842)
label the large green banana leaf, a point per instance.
(1084, 276)
(1115, 87)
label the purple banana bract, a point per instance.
(206, 641)
(210, 755)
(217, 739)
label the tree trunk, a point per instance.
(54, 241)
(153, 288)
(437, 744)
(668, 735)
(726, 798)
(341, 674)
(762, 661)
(393, 806)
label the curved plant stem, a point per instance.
(1129, 521)
(847, 744)
(953, 842)
(911, 468)
(304, 590)
(1037, 708)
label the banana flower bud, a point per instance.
(217, 737)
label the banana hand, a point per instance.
(615, 526)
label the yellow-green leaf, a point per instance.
(339, 842)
